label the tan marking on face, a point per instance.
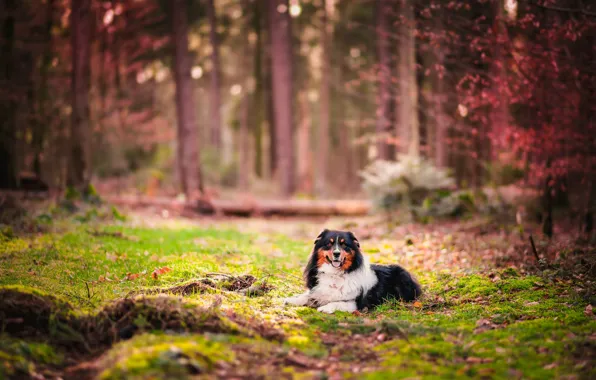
(331, 240)
(347, 258)
(322, 256)
(342, 240)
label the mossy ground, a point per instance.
(473, 321)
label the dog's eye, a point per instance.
(328, 245)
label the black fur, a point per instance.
(393, 280)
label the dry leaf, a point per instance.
(132, 276)
(551, 365)
(417, 304)
(588, 311)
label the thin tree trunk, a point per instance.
(79, 168)
(188, 152)
(441, 126)
(8, 172)
(44, 118)
(244, 143)
(272, 131)
(499, 117)
(323, 127)
(281, 59)
(407, 112)
(215, 101)
(382, 123)
(259, 95)
(305, 164)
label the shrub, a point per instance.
(411, 183)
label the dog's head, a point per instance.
(340, 249)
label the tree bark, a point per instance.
(79, 168)
(499, 116)
(382, 122)
(323, 127)
(259, 95)
(270, 103)
(407, 112)
(281, 59)
(8, 172)
(244, 143)
(216, 127)
(305, 164)
(188, 152)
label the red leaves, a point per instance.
(159, 271)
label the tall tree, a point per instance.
(8, 172)
(244, 143)
(259, 95)
(323, 127)
(188, 151)
(281, 60)
(215, 96)
(383, 96)
(407, 110)
(43, 123)
(78, 160)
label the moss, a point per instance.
(160, 356)
(21, 358)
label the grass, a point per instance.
(98, 281)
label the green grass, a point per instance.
(498, 324)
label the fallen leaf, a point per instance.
(551, 365)
(588, 311)
(132, 276)
(159, 271)
(32, 273)
(381, 337)
(532, 303)
(417, 304)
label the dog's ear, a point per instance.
(321, 235)
(353, 237)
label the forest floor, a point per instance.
(95, 295)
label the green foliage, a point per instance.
(215, 171)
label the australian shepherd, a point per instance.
(339, 277)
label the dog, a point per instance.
(339, 277)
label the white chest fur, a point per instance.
(335, 285)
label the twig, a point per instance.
(534, 248)
(88, 291)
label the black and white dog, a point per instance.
(339, 277)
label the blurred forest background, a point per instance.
(397, 100)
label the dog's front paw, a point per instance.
(296, 301)
(329, 308)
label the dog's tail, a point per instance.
(410, 288)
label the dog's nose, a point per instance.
(336, 254)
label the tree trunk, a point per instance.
(499, 117)
(188, 152)
(44, 119)
(216, 127)
(323, 127)
(259, 95)
(244, 143)
(407, 112)
(8, 172)
(281, 59)
(79, 170)
(270, 109)
(441, 126)
(305, 164)
(383, 102)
